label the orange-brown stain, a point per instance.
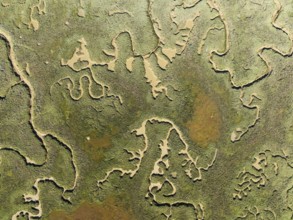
(94, 146)
(205, 125)
(109, 210)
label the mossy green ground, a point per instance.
(85, 138)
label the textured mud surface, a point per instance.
(146, 109)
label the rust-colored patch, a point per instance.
(109, 210)
(95, 145)
(205, 125)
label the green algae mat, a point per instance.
(146, 109)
